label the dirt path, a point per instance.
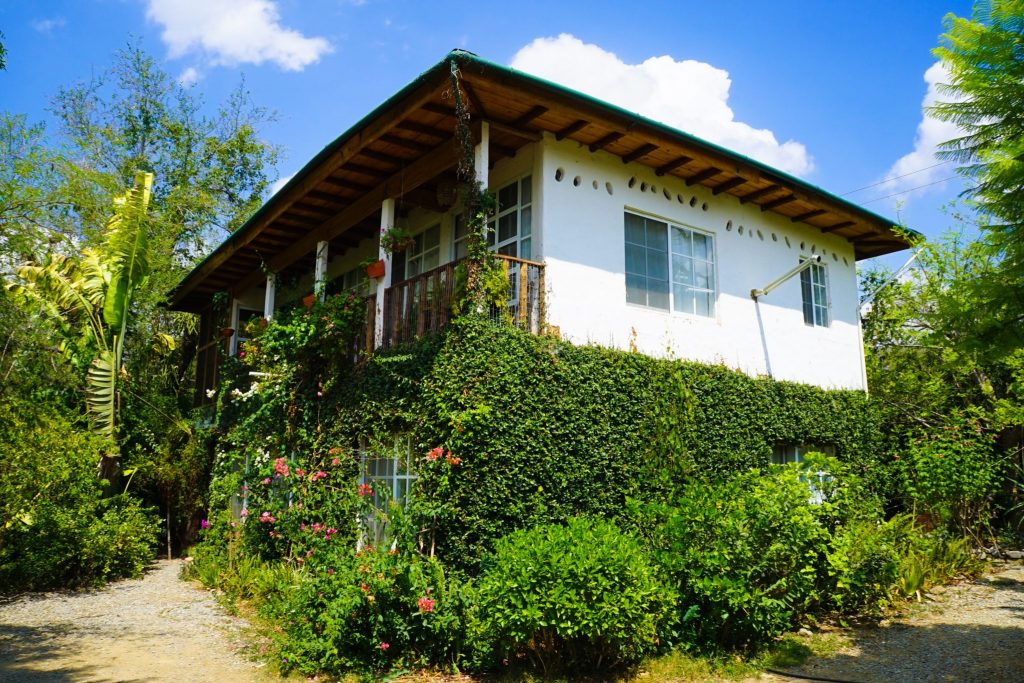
(965, 633)
(149, 630)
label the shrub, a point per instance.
(576, 597)
(59, 529)
(743, 554)
(865, 560)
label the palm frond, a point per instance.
(127, 251)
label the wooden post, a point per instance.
(482, 156)
(320, 273)
(524, 282)
(268, 297)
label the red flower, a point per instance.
(365, 490)
(384, 647)
(452, 459)
(426, 605)
(435, 453)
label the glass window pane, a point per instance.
(636, 259)
(657, 265)
(657, 235)
(635, 229)
(703, 304)
(636, 289)
(507, 197)
(432, 237)
(701, 275)
(681, 242)
(525, 222)
(507, 227)
(657, 293)
(525, 250)
(526, 193)
(682, 270)
(508, 250)
(491, 227)
(683, 298)
(700, 246)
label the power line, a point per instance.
(888, 180)
(897, 194)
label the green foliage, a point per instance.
(743, 554)
(579, 597)
(952, 473)
(59, 529)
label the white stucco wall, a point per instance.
(582, 229)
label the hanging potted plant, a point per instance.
(394, 238)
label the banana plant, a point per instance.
(89, 299)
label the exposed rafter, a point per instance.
(701, 176)
(572, 128)
(757, 194)
(776, 203)
(605, 141)
(807, 215)
(727, 185)
(639, 152)
(673, 165)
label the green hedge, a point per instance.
(546, 430)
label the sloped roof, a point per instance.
(406, 147)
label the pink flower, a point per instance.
(335, 462)
(319, 394)
(204, 524)
(435, 453)
(244, 512)
(384, 647)
(426, 605)
(319, 474)
(299, 473)
(241, 354)
(365, 490)
(266, 480)
(266, 517)
(281, 467)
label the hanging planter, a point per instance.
(394, 239)
(375, 269)
(309, 300)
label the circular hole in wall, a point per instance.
(576, 181)
(632, 182)
(845, 262)
(775, 238)
(802, 246)
(668, 195)
(728, 225)
(740, 230)
(608, 188)
(787, 241)
(594, 184)
(693, 201)
(760, 236)
(681, 199)
(704, 206)
(814, 248)
(643, 187)
(559, 174)
(835, 256)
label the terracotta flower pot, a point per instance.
(375, 270)
(309, 300)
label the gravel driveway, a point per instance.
(972, 632)
(148, 630)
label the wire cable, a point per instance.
(897, 177)
(897, 194)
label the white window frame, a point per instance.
(521, 213)
(814, 281)
(397, 481)
(711, 261)
(820, 480)
(236, 324)
(424, 253)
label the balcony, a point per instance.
(423, 304)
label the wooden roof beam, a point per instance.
(672, 165)
(441, 158)
(808, 215)
(776, 203)
(411, 145)
(641, 151)
(572, 128)
(321, 196)
(605, 141)
(757, 194)
(473, 99)
(838, 226)
(422, 129)
(727, 185)
(383, 158)
(367, 170)
(701, 176)
(535, 111)
(511, 129)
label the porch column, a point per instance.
(387, 219)
(320, 273)
(268, 298)
(482, 156)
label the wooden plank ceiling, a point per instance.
(406, 149)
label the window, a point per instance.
(389, 474)
(242, 320)
(820, 480)
(669, 267)
(511, 229)
(814, 288)
(353, 280)
(422, 255)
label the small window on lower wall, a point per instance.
(819, 480)
(670, 267)
(387, 475)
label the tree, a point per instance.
(984, 56)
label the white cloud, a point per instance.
(689, 95)
(279, 183)
(921, 166)
(232, 32)
(46, 26)
(188, 77)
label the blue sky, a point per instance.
(829, 91)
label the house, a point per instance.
(617, 230)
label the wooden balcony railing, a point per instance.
(423, 303)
